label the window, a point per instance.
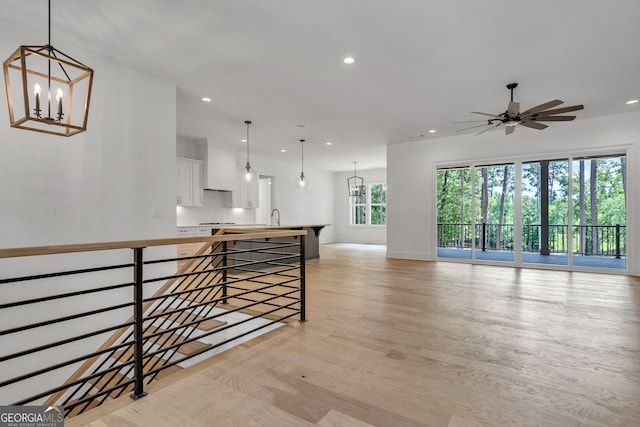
(370, 207)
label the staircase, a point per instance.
(172, 322)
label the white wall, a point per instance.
(411, 173)
(344, 232)
(114, 182)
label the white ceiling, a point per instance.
(420, 64)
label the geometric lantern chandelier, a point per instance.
(355, 183)
(47, 90)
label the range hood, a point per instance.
(220, 166)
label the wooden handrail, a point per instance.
(229, 234)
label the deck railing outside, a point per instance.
(592, 240)
(217, 298)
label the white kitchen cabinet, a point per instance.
(245, 195)
(190, 182)
(203, 230)
(190, 249)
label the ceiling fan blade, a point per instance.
(542, 107)
(508, 130)
(486, 114)
(560, 110)
(472, 127)
(473, 121)
(554, 118)
(489, 128)
(513, 109)
(533, 125)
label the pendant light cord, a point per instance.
(247, 122)
(49, 49)
(49, 24)
(302, 162)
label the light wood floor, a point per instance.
(410, 343)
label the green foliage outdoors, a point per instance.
(495, 191)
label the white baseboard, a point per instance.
(409, 255)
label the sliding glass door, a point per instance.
(475, 213)
(570, 212)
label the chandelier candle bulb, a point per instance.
(59, 98)
(36, 90)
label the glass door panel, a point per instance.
(599, 212)
(494, 213)
(453, 213)
(545, 195)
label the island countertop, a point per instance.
(312, 243)
(270, 226)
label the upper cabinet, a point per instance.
(245, 194)
(220, 166)
(190, 175)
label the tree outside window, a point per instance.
(370, 207)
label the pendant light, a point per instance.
(302, 182)
(355, 183)
(248, 174)
(47, 90)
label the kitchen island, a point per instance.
(311, 243)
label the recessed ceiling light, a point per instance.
(632, 101)
(432, 131)
(283, 151)
(243, 140)
(349, 60)
(328, 143)
(205, 99)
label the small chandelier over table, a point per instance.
(47, 90)
(355, 183)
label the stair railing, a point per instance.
(237, 278)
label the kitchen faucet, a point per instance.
(272, 215)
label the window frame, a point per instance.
(368, 205)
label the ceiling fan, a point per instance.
(531, 118)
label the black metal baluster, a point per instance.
(138, 332)
(224, 271)
(303, 309)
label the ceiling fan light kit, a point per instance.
(531, 118)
